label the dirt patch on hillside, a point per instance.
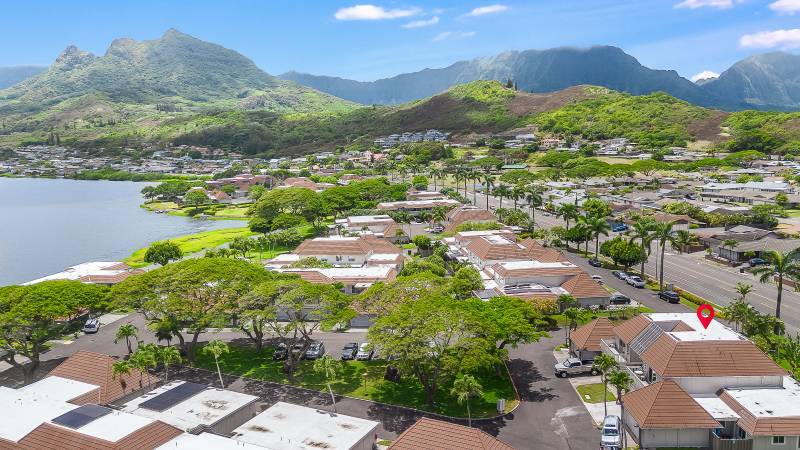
(709, 128)
(441, 112)
(525, 104)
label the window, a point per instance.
(778, 440)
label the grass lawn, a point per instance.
(232, 212)
(220, 212)
(792, 212)
(245, 361)
(194, 243)
(593, 393)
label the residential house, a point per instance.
(467, 213)
(432, 434)
(381, 226)
(415, 207)
(585, 341)
(106, 273)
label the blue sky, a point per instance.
(366, 39)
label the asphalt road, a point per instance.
(693, 273)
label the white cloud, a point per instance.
(422, 23)
(785, 6)
(694, 4)
(704, 75)
(372, 12)
(453, 35)
(483, 10)
(772, 39)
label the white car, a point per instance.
(364, 352)
(91, 326)
(611, 437)
(635, 281)
(597, 278)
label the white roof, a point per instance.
(350, 272)
(81, 270)
(113, 426)
(206, 441)
(382, 257)
(716, 331)
(26, 408)
(496, 239)
(205, 408)
(716, 408)
(532, 264)
(285, 426)
(770, 402)
(368, 219)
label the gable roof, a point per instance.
(541, 253)
(97, 369)
(430, 434)
(588, 336)
(361, 245)
(666, 405)
(670, 357)
(583, 286)
(467, 214)
(629, 329)
(496, 248)
(52, 437)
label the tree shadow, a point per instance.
(14, 378)
(525, 374)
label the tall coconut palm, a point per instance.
(730, 244)
(517, 193)
(534, 198)
(120, 368)
(464, 389)
(597, 226)
(683, 239)
(476, 178)
(168, 356)
(781, 266)
(664, 234)
(568, 211)
(574, 316)
(129, 333)
(217, 348)
(604, 363)
(502, 191)
(488, 184)
(642, 231)
(621, 381)
(434, 173)
(328, 368)
(142, 359)
(743, 289)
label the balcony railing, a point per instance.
(636, 374)
(608, 347)
(721, 443)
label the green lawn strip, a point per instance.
(194, 243)
(220, 212)
(593, 393)
(244, 361)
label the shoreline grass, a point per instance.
(193, 243)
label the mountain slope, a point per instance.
(532, 70)
(10, 76)
(176, 69)
(767, 81)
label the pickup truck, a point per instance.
(573, 366)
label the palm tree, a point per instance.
(683, 239)
(433, 173)
(573, 316)
(597, 226)
(738, 312)
(142, 359)
(328, 368)
(781, 265)
(642, 231)
(789, 352)
(663, 233)
(464, 389)
(120, 368)
(567, 211)
(502, 191)
(534, 198)
(621, 380)
(169, 356)
(488, 184)
(731, 244)
(604, 363)
(743, 289)
(476, 178)
(127, 332)
(517, 192)
(217, 348)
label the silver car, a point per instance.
(91, 326)
(611, 437)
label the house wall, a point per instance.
(710, 385)
(655, 438)
(227, 424)
(352, 260)
(589, 301)
(367, 442)
(765, 443)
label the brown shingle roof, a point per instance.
(430, 434)
(52, 437)
(629, 329)
(666, 405)
(534, 271)
(583, 286)
(362, 245)
(497, 251)
(672, 358)
(467, 214)
(588, 336)
(97, 369)
(541, 253)
(762, 426)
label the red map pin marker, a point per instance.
(706, 314)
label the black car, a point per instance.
(280, 352)
(349, 350)
(594, 262)
(757, 262)
(618, 298)
(669, 296)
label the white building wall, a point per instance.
(765, 443)
(655, 438)
(710, 385)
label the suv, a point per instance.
(594, 262)
(349, 350)
(619, 274)
(91, 326)
(364, 352)
(573, 366)
(315, 350)
(611, 436)
(619, 298)
(635, 281)
(670, 296)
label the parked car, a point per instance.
(315, 350)
(757, 262)
(437, 229)
(619, 274)
(349, 350)
(597, 278)
(297, 349)
(611, 436)
(669, 296)
(91, 326)
(619, 298)
(619, 227)
(594, 262)
(280, 352)
(364, 352)
(635, 281)
(574, 366)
